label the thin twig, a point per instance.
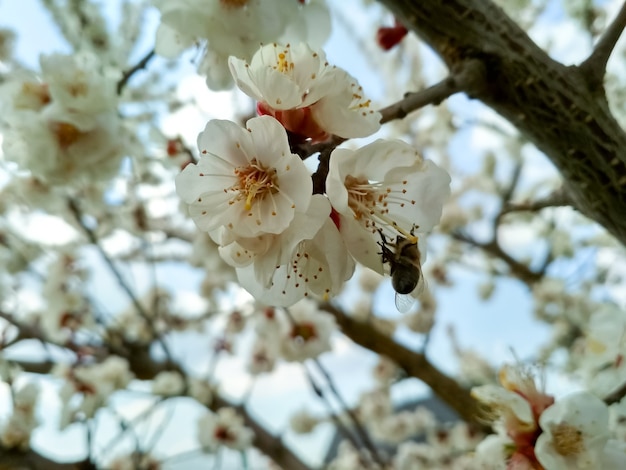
(493, 248)
(558, 198)
(343, 430)
(360, 429)
(134, 69)
(91, 235)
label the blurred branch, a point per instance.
(493, 248)
(126, 76)
(594, 67)
(11, 459)
(558, 198)
(414, 365)
(358, 426)
(144, 367)
(91, 235)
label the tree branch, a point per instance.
(594, 67)
(558, 198)
(493, 248)
(414, 364)
(548, 102)
(468, 75)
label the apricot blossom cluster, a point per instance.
(254, 196)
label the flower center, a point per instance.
(283, 64)
(32, 91)
(370, 201)
(255, 182)
(65, 133)
(304, 331)
(567, 440)
(223, 434)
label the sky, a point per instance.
(501, 329)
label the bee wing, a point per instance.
(404, 302)
(421, 287)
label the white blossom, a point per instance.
(235, 28)
(263, 356)
(493, 452)
(387, 186)
(575, 433)
(224, 428)
(16, 431)
(303, 422)
(247, 181)
(604, 351)
(296, 85)
(201, 390)
(168, 383)
(309, 334)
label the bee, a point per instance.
(405, 268)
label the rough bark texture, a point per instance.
(561, 109)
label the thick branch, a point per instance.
(551, 104)
(414, 364)
(594, 66)
(31, 460)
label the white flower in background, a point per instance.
(575, 433)
(263, 356)
(77, 83)
(617, 419)
(16, 431)
(247, 181)
(385, 185)
(268, 323)
(61, 147)
(303, 422)
(375, 405)
(385, 371)
(493, 453)
(604, 351)
(395, 428)
(201, 390)
(296, 85)
(235, 28)
(224, 428)
(347, 458)
(134, 461)
(308, 335)
(93, 383)
(413, 456)
(64, 128)
(168, 383)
